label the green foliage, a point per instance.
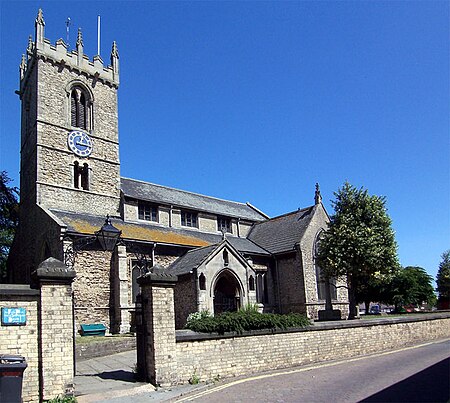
(376, 288)
(63, 399)
(443, 276)
(194, 379)
(359, 243)
(245, 319)
(9, 218)
(412, 286)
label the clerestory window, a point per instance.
(147, 211)
(189, 219)
(224, 224)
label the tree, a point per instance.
(376, 288)
(443, 276)
(412, 286)
(359, 243)
(9, 218)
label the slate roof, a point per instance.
(181, 198)
(88, 224)
(190, 260)
(280, 234)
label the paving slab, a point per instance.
(110, 379)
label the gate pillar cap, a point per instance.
(159, 276)
(54, 270)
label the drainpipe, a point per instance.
(238, 230)
(278, 285)
(170, 216)
(197, 288)
(153, 253)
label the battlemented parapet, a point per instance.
(74, 59)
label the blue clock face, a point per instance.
(80, 143)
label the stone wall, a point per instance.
(54, 159)
(171, 359)
(244, 228)
(291, 284)
(57, 341)
(46, 340)
(41, 235)
(107, 346)
(185, 297)
(23, 340)
(93, 287)
(207, 222)
(165, 260)
(228, 356)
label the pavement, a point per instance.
(111, 379)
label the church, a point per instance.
(225, 254)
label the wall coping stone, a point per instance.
(17, 289)
(159, 277)
(189, 335)
(54, 270)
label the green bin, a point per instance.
(11, 375)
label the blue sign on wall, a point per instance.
(14, 316)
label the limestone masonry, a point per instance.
(225, 254)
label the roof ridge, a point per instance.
(286, 214)
(199, 248)
(188, 192)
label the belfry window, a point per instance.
(80, 176)
(79, 109)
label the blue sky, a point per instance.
(258, 101)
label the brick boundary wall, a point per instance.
(209, 356)
(46, 340)
(174, 357)
(102, 348)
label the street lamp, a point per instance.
(108, 235)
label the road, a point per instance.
(415, 374)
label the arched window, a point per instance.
(251, 283)
(202, 282)
(79, 108)
(320, 280)
(135, 273)
(225, 257)
(261, 288)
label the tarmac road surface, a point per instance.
(413, 374)
(417, 374)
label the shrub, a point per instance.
(245, 319)
(63, 399)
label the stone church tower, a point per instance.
(69, 140)
(69, 136)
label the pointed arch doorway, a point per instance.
(227, 293)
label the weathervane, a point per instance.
(68, 23)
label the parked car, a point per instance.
(375, 310)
